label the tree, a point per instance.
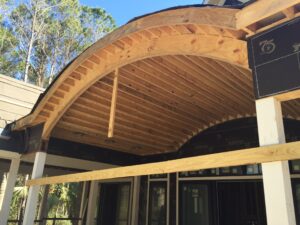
(95, 23)
(7, 42)
(80, 27)
(29, 23)
(49, 34)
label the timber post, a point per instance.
(276, 175)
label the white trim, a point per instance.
(9, 189)
(9, 155)
(67, 162)
(32, 199)
(276, 176)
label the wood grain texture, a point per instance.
(180, 73)
(258, 11)
(282, 152)
(112, 116)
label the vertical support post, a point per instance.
(113, 105)
(83, 203)
(32, 199)
(43, 210)
(276, 175)
(92, 203)
(135, 200)
(9, 189)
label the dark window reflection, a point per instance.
(194, 204)
(157, 203)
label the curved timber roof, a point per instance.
(180, 71)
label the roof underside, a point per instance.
(181, 71)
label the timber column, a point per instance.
(276, 175)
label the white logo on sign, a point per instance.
(267, 46)
(296, 47)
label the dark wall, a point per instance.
(232, 135)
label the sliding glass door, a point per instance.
(157, 203)
(114, 204)
(194, 204)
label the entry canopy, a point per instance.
(160, 79)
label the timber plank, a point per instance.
(282, 152)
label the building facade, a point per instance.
(162, 117)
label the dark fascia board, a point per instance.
(12, 141)
(91, 153)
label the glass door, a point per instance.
(296, 195)
(114, 204)
(157, 213)
(194, 204)
(241, 203)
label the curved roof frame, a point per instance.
(209, 32)
(211, 35)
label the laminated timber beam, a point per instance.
(282, 152)
(253, 18)
(149, 36)
(225, 49)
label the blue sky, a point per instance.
(124, 10)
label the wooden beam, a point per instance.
(112, 115)
(290, 12)
(290, 151)
(287, 96)
(228, 50)
(210, 16)
(260, 10)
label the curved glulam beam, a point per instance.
(225, 49)
(109, 53)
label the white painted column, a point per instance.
(276, 175)
(135, 200)
(92, 203)
(9, 189)
(32, 199)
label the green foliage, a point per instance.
(42, 36)
(62, 201)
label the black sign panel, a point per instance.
(274, 58)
